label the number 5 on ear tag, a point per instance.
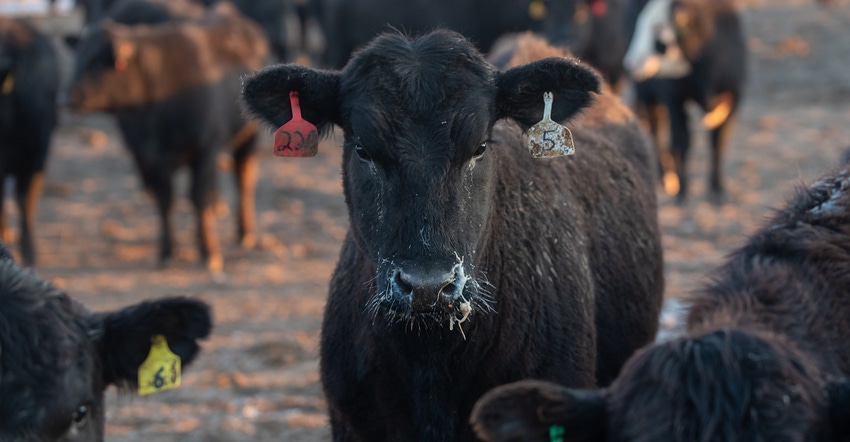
(547, 138)
(298, 137)
(161, 370)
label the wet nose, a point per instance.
(424, 290)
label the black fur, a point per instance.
(56, 356)
(5, 254)
(349, 26)
(29, 75)
(765, 357)
(558, 261)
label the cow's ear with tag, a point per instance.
(268, 95)
(521, 89)
(125, 337)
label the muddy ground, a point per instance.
(257, 377)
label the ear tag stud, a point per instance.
(298, 137)
(548, 139)
(8, 84)
(556, 433)
(161, 370)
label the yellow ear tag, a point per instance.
(8, 84)
(548, 139)
(161, 370)
(537, 10)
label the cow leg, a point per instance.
(719, 141)
(203, 196)
(159, 184)
(680, 140)
(28, 190)
(246, 168)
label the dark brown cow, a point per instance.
(174, 89)
(764, 359)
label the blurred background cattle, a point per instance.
(98, 237)
(29, 83)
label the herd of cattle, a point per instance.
(480, 292)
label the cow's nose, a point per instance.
(424, 290)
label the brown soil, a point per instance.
(257, 377)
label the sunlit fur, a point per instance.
(765, 356)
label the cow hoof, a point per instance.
(248, 241)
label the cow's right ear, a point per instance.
(521, 89)
(125, 336)
(266, 95)
(838, 393)
(538, 411)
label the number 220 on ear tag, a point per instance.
(298, 137)
(161, 370)
(547, 138)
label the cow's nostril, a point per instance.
(422, 289)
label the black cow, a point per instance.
(174, 89)
(350, 25)
(58, 357)
(600, 37)
(94, 10)
(29, 83)
(765, 357)
(270, 15)
(683, 51)
(469, 263)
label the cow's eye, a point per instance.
(480, 150)
(80, 416)
(362, 153)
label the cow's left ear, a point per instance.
(266, 95)
(125, 336)
(521, 89)
(540, 411)
(838, 393)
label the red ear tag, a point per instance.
(599, 8)
(298, 137)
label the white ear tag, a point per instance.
(548, 139)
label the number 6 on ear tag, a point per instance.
(161, 370)
(548, 139)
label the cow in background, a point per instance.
(174, 89)
(58, 357)
(476, 263)
(29, 83)
(765, 357)
(688, 51)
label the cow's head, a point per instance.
(729, 385)
(107, 73)
(420, 159)
(57, 357)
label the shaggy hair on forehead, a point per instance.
(418, 74)
(40, 334)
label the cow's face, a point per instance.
(418, 173)
(58, 357)
(107, 72)
(728, 385)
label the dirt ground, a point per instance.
(257, 378)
